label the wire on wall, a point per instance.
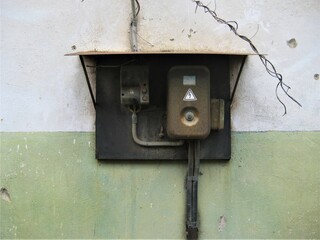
(138, 7)
(133, 25)
(271, 70)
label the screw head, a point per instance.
(189, 116)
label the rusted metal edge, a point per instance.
(93, 53)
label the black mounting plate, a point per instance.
(113, 121)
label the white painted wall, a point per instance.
(42, 90)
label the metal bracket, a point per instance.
(238, 78)
(87, 80)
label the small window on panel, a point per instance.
(189, 80)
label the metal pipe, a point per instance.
(133, 28)
(153, 143)
(133, 8)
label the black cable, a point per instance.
(138, 7)
(271, 70)
(192, 189)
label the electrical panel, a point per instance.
(175, 97)
(188, 102)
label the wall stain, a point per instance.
(191, 31)
(222, 223)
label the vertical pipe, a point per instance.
(133, 28)
(133, 8)
(189, 184)
(192, 189)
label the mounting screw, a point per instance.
(189, 116)
(144, 90)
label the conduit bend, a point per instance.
(140, 142)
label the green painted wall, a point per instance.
(269, 189)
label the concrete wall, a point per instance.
(269, 189)
(39, 81)
(58, 190)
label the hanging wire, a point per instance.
(133, 25)
(138, 7)
(271, 70)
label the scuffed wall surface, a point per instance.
(58, 190)
(41, 90)
(53, 187)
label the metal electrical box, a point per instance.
(188, 102)
(113, 120)
(176, 96)
(134, 82)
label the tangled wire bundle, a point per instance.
(233, 26)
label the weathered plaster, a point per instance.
(269, 189)
(51, 184)
(41, 90)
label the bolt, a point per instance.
(189, 116)
(144, 98)
(144, 90)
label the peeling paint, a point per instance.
(4, 193)
(222, 223)
(292, 43)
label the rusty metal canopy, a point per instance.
(113, 121)
(93, 53)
